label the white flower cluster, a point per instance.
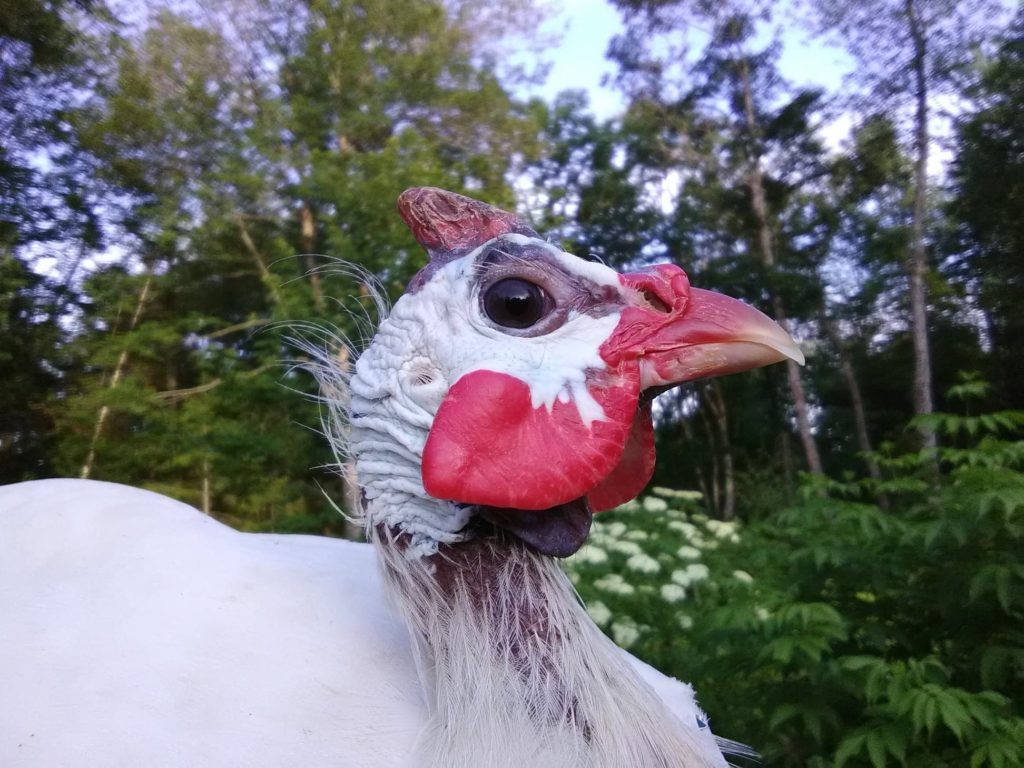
(592, 554)
(625, 632)
(628, 548)
(643, 563)
(599, 612)
(673, 593)
(654, 504)
(723, 529)
(689, 530)
(614, 583)
(686, 552)
(693, 573)
(616, 529)
(657, 557)
(671, 493)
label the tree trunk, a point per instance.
(257, 257)
(207, 503)
(701, 482)
(715, 500)
(860, 420)
(759, 205)
(720, 414)
(115, 379)
(917, 261)
(308, 234)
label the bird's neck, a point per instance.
(514, 672)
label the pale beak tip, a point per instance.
(771, 335)
(795, 354)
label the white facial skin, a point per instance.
(431, 339)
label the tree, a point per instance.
(584, 185)
(42, 207)
(28, 338)
(725, 115)
(909, 52)
(233, 144)
(988, 195)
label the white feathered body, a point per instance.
(135, 631)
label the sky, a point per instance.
(589, 25)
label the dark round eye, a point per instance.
(514, 303)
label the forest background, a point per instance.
(831, 554)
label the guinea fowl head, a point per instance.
(512, 383)
(506, 398)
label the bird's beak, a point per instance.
(715, 335)
(669, 333)
(678, 333)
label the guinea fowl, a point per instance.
(504, 400)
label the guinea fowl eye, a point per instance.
(514, 303)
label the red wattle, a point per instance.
(489, 445)
(634, 470)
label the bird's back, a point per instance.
(136, 631)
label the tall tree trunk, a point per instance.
(917, 261)
(720, 415)
(755, 181)
(860, 420)
(701, 482)
(115, 379)
(308, 234)
(206, 496)
(257, 257)
(715, 500)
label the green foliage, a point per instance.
(834, 632)
(223, 147)
(988, 179)
(28, 338)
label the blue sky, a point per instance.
(579, 60)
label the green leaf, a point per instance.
(848, 748)
(782, 714)
(954, 715)
(876, 749)
(931, 714)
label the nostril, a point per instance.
(655, 301)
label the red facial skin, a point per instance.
(447, 224)
(635, 467)
(490, 446)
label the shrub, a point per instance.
(835, 632)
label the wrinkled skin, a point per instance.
(551, 415)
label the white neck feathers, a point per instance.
(516, 674)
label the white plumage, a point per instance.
(135, 631)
